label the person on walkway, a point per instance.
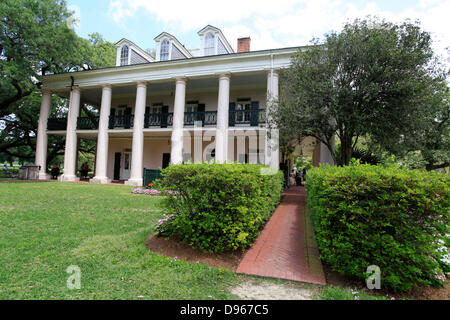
(304, 175)
(55, 171)
(84, 170)
(5, 168)
(292, 177)
(298, 178)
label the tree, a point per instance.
(36, 39)
(374, 78)
(429, 146)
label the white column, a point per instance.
(103, 138)
(272, 152)
(70, 154)
(223, 104)
(325, 154)
(137, 152)
(176, 155)
(41, 138)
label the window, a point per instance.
(126, 161)
(191, 106)
(210, 44)
(157, 108)
(164, 50)
(124, 55)
(243, 108)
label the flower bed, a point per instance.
(150, 192)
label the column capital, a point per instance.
(225, 75)
(107, 86)
(141, 84)
(76, 88)
(46, 91)
(181, 79)
(275, 71)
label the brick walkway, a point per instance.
(286, 248)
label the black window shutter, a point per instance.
(232, 114)
(200, 116)
(127, 118)
(254, 113)
(112, 115)
(164, 115)
(147, 117)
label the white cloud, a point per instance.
(75, 21)
(280, 23)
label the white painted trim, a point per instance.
(215, 30)
(172, 39)
(209, 66)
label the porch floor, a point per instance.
(286, 248)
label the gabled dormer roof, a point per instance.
(175, 41)
(209, 28)
(136, 48)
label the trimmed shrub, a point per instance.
(386, 216)
(218, 207)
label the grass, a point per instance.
(338, 293)
(46, 227)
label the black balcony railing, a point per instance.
(124, 121)
(161, 120)
(87, 123)
(205, 117)
(251, 117)
(57, 124)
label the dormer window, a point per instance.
(164, 56)
(210, 44)
(124, 52)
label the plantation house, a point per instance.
(151, 108)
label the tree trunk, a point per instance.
(346, 150)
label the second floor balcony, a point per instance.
(163, 120)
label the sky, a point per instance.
(270, 23)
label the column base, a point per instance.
(67, 178)
(100, 180)
(43, 176)
(135, 182)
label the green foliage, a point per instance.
(303, 162)
(386, 216)
(219, 207)
(374, 78)
(36, 39)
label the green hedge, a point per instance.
(218, 207)
(386, 216)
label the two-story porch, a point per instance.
(151, 124)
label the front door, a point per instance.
(117, 157)
(165, 160)
(126, 166)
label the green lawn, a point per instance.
(46, 227)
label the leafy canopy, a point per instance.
(36, 39)
(373, 78)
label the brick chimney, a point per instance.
(243, 44)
